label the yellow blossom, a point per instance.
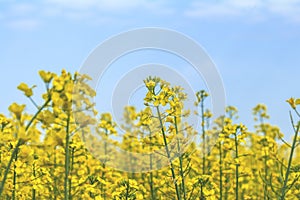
(292, 103)
(46, 76)
(17, 109)
(24, 88)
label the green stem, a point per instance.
(67, 160)
(284, 188)
(13, 155)
(151, 184)
(168, 154)
(71, 168)
(203, 135)
(19, 143)
(36, 114)
(236, 168)
(33, 190)
(151, 166)
(202, 197)
(55, 178)
(221, 170)
(127, 190)
(103, 189)
(265, 159)
(227, 177)
(180, 160)
(14, 179)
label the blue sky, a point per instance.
(255, 44)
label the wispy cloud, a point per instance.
(17, 14)
(104, 5)
(288, 9)
(22, 9)
(106, 8)
(23, 24)
(20, 16)
(28, 15)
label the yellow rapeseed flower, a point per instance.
(46, 76)
(17, 109)
(24, 88)
(292, 103)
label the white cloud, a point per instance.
(105, 5)
(246, 4)
(22, 9)
(204, 9)
(17, 14)
(20, 16)
(228, 8)
(105, 11)
(288, 9)
(29, 15)
(23, 24)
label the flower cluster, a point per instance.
(65, 148)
